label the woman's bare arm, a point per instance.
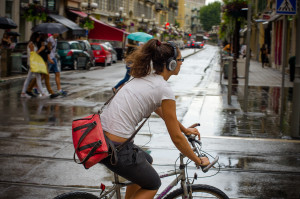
(168, 111)
(187, 131)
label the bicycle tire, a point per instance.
(199, 191)
(76, 195)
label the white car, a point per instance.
(112, 51)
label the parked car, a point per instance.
(198, 44)
(112, 51)
(87, 47)
(72, 54)
(180, 44)
(102, 54)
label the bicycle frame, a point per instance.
(180, 176)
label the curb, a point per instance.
(23, 76)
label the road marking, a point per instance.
(252, 139)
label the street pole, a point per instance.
(247, 57)
(284, 63)
(295, 128)
(236, 51)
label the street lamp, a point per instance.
(89, 7)
(154, 23)
(119, 21)
(143, 23)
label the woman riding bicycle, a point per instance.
(153, 64)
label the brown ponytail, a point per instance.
(155, 51)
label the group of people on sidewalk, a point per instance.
(46, 47)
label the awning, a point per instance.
(103, 31)
(76, 30)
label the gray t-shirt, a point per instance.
(136, 100)
(54, 44)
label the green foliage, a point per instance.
(210, 15)
(177, 23)
(232, 11)
(87, 23)
(35, 12)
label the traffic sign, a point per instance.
(286, 7)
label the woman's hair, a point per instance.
(153, 51)
(33, 37)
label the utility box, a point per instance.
(16, 63)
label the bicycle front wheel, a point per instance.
(76, 195)
(199, 191)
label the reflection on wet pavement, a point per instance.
(263, 114)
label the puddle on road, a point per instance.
(263, 118)
(58, 112)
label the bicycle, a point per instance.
(187, 188)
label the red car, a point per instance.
(102, 54)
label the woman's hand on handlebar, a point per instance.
(192, 131)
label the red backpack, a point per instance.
(89, 140)
(91, 144)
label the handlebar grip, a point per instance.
(206, 168)
(195, 125)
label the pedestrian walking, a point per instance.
(152, 65)
(6, 41)
(264, 55)
(131, 46)
(53, 63)
(32, 46)
(227, 49)
(45, 54)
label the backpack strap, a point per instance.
(132, 136)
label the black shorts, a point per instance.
(134, 164)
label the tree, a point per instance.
(210, 15)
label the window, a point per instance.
(63, 46)
(8, 8)
(51, 5)
(96, 47)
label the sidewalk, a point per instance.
(264, 102)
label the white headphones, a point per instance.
(171, 63)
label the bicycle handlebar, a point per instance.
(192, 139)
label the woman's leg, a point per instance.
(39, 83)
(124, 80)
(134, 164)
(144, 194)
(131, 190)
(47, 82)
(27, 80)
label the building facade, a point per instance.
(268, 29)
(129, 15)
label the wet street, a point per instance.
(36, 152)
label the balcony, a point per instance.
(159, 6)
(165, 9)
(150, 1)
(173, 5)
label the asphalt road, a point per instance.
(36, 142)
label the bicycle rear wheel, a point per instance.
(76, 195)
(199, 191)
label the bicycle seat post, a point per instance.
(117, 183)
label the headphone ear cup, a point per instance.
(172, 65)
